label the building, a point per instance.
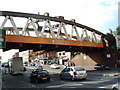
(25, 56)
(16, 54)
(84, 60)
(64, 57)
(41, 57)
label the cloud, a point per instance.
(98, 14)
(9, 54)
(93, 13)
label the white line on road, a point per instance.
(31, 85)
(101, 87)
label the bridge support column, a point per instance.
(89, 59)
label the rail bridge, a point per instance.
(43, 32)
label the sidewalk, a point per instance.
(111, 72)
(0, 79)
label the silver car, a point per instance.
(54, 66)
(73, 73)
(116, 86)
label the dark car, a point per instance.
(101, 67)
(40, 75)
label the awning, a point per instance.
(53, 57)
(42, 58)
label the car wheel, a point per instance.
(36, 81)
(114, 89)
(48, 80)
(72, 79)
(31, 80)
(84, 79)
(61, 77)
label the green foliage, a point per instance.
(111, 41)
(5, 63)
(118, 30)
(86, 39)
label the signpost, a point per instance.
(2, 38)
(118, 41)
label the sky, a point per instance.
(101, 15)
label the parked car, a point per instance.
(32, 64)
(101, 67)
(73, 73)
(25, 64)
(54, 66)
(116, 86)
(39, 75)
(49, 62)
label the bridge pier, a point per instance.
(88, 59)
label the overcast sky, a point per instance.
(101, 15)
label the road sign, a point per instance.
(2, 38)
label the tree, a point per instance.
(111, 40)
(117, 30)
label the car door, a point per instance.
(66, 73)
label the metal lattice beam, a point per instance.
(34, 21)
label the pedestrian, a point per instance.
(5, 68)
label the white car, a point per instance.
(54, 66)
(38, 67)
(73, 73)
(116, 86)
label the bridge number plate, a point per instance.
(2, 38)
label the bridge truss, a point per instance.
(50, 28)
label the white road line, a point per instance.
(101, 87)
(31, 85)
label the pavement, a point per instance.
(111, 72)
(0, 78)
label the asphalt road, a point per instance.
(95, 80)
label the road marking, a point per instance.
(31, 85)
(101, 87)
(27, 83)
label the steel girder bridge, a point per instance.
(43, 32)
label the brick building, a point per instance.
(41, 54)
(30, 55)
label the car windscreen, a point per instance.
(79, 69)
(43, 72)
(55, 64)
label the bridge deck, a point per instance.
(41, 40)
